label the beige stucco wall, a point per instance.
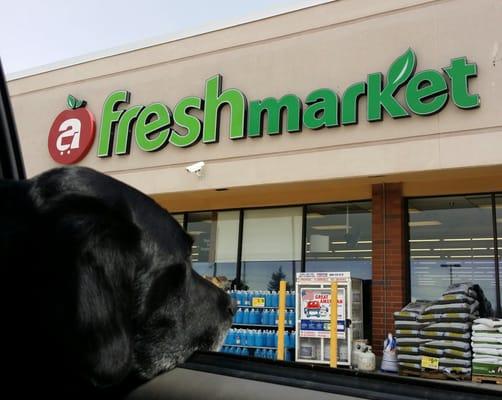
(331, 45)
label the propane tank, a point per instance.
(357, 348)
(366, 360)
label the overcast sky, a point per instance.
(34, 33)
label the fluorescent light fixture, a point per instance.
(454, 249)
(364, 241)
(420, 249)
(482, 256)
(456, 239)
(353, 251)
(331, 227)
(480, 248)
(424, 223)
(339, 242)
(483, 238)
(423, 240)
(315, 216)
(425, 256)
(195, 254)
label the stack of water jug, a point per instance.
(260, 313)
(266, 315)
(258, 343)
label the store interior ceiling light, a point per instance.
(339, 242)
(425, 256)
(456, 239)
(353, 251)
(331, 227)
(424, 240)
(424, 223)
(420, 249)
(454, 249)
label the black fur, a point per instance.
(98, 292)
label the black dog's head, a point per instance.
(98, 285)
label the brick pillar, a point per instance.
(389, 259)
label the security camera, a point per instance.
(196, 168)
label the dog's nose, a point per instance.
(232, 308)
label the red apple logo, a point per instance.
(72, 133)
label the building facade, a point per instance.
(353, 135)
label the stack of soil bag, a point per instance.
(408, 328)
(487, 347)
(442, 330)
(448, 333)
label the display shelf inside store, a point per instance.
(263, 326)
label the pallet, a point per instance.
(443, 376)
(486, 378)
(407, 372)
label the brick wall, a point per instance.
(389, 259)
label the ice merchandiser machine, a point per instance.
(313, 315)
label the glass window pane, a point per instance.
(215, 234)
(451, 241)
(339, 238)
(498, 207)
(271, 247)
(179, 218)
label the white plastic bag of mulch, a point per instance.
(451, 353)
(413, 350)
(402, 333)
(481, 334)
(411, 310)
(489, 322)
(409, 358)
(413, 325)
(411, 341)
(486, 339)
(431, 351)
(485, 329)
(486, 351)
(455, 298)
(457, 327)
(461, 288)
(463, 337)
(449, 344)
(454, 362)
(457, 317)
(452, 308)
(487, 360)
(431, 335)
(410, 366)
(476, 345)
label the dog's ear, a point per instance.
(96, 262)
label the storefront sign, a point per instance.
(72, 133)
(156, 125)
(315, 313)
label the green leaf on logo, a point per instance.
(71, 101)
(79, 103)
(402, 68)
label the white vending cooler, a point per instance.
(313, 314)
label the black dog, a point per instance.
(97, 287)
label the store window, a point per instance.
(338, 238)
(451, 240)
(179, 218)
(271, 247)
(214, 251)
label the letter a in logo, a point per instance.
(72, 133)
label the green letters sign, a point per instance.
(154, 126)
